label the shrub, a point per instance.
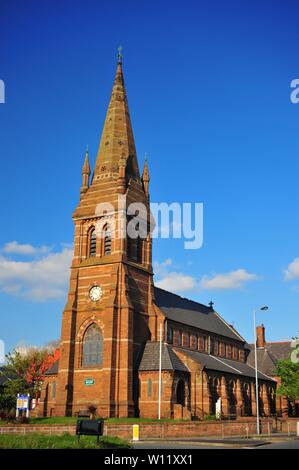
(92, 410)
(210, 417)
(11, 415)
(3, 415)
(23, 420)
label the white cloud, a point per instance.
(171, 280)
(177, 282)
(161, 269)
(24, 249)
(292, 271)
(166, 277)
(232, 280)
(38, 280)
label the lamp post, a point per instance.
(255, 363)
(160, 373)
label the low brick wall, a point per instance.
(242, 427)
(287, 426)
(54, 429)
(189, 429)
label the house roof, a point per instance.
(53, 370)
(4, 377)
(194, 314)
(170, 361)
(268, 356)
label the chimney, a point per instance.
(260, 336)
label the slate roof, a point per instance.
(224, 365)
(170, 361)
(151, 354)
(194, 314)
(4, 377)
(268, 356)
(53, 370)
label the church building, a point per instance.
(111, 356)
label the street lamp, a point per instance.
(255, 361)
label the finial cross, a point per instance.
(119, 54)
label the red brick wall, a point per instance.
(167, 430)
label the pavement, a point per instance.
(264, 442)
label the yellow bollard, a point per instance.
(135, 432)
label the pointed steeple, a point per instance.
(117, 137)
(85, 173)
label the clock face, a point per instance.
(95, 293)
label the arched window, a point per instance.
(92, 353)
(139, 246)
(130, 247)
(187, 339)
(170, 334)
(107, 240)
(53, 390)
(228, 351)
(149, 388)
(180, 392)
(201, 343)
(193, 341)
(180, 338)
(92, 242)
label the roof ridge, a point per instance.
(229, 326)
(183, 298)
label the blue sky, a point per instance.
(208, 85)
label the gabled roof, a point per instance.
(194, 314)
(151, 355)
(268, 356)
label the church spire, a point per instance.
(117, 137)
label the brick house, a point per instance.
(268, 355)
(109, 348)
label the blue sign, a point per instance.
(23, 402)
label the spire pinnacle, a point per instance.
(86, 167)
(145, 175)
(85, 173)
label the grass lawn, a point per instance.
(38, 441)
(143, 420)
(54, 420)
(72, 420)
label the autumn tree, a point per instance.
(24, 373)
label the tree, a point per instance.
(288, 371)
(39, 362)
(14, 370)
(25, 372)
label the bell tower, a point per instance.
(109, 312)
